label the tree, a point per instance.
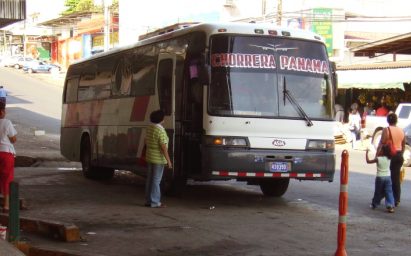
(79, 6)
(71, 6)
(85, 5)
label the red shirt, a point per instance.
(382, 111)
(397, 135)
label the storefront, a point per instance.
(368, 84)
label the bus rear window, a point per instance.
(71, 90)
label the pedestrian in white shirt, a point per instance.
(7, 153)
(354, 122)
(3, 94)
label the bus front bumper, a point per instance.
(247, 164)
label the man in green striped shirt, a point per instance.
(156, 156)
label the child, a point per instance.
(383, 185)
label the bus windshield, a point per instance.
(256, 76)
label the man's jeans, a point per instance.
(153, 192)
(383, 188)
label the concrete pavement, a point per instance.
(7, 249)
(31, 149)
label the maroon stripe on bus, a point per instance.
(139, 108)
(242, 174)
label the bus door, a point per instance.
(192, 125)
(165, 81)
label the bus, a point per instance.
(251, 102)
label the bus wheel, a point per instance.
(274, 187)
(104, 173)
(90, 171)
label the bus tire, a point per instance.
(90, 171)
(105, 173)
(274, 187)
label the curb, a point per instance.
(30, 250)
(29, 161)
(22, 202)
(53, 229)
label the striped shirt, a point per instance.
(155, 137)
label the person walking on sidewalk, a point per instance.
(7, 153)
(354, 123)
(156, 156)
(397, 136)
(383, 185)
(3, 95)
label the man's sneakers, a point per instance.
(390, 209)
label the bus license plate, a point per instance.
(280, 166)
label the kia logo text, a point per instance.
(278, 143)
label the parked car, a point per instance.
(10, 61)
(40, 66)
(22, 61)
(375, 124)
(407, 151)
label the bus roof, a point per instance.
(259, 29)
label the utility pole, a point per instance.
(106, 5)
(279, 11)
(24, 40)
(4, 42)
(263, 8)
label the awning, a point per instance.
(374, 78)
(394, 45)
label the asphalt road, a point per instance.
(215, 218)
(31, 101)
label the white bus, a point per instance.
(252, 102)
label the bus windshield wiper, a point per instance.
(287, 95)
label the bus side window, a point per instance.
(143, 69)
(164, 83)
(143, 80)
(122, 78)
(71, 90)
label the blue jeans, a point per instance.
(383, 188)
(153, 192)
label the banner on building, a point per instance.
(322, 25)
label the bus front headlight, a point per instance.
(320, 145)
(226, 141)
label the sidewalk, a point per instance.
(7, 249)
(31, 148)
